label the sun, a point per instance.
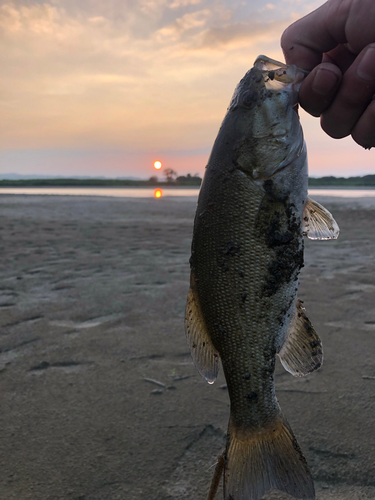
(158, 193)
(157, 165)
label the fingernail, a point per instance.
(366, 68)
(324, 81)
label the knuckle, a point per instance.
(352, 99)
(285, 40)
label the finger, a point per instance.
(341, 56)
(319, 88)
(353, 97)
(335, 22)
(364, 131)
(304, 41)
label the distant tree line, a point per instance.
(172, 179)
(365, 181)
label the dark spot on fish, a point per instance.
(281, 270)
(231, 249)
(203, 344)
(222, 329)
(271, 75)
(194, 346)
(314, 343)
(252, 396)
(291, 47)
(278, 225)
(246, 376)
(268, 185)
(241, 273)
(243, 296)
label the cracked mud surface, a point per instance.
(99, 396)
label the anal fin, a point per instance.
(205, 356)
(302, 351)
(318, 223)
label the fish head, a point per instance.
(264, 106)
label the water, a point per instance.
(104, 191)
(344, 193)
(149, 192)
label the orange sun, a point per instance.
(157, 165)
(158, 193)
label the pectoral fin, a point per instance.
(302, 350)
(318, 223)
(204, 354)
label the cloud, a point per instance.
(241, 34)
(177, 4)
(126, 73)
(176, 30)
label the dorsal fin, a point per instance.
(318, 223)
(302, 351)
(205, 356)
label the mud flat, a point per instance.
(99, 397)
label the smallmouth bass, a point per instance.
(247, 251)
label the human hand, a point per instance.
(337, 43)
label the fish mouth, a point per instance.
(278, 75)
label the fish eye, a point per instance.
(248, 98)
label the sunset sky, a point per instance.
(106, 87)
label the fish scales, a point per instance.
(244, 315)
(247, 252)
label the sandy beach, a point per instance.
(99, 396)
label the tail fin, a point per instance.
(259, 461)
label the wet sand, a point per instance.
(92, 299)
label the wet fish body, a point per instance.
(247, 252)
